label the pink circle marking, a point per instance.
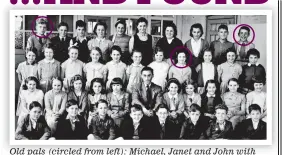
(178, 48)
(234, 34)
(50, 23)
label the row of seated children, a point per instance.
(136, 126)
(120, 101)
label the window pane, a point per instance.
(18, 40)
(213, 27)
(131, 24)
(18, 23)
(28, 21)
(155, 27)
(55, 21)
(69, 20)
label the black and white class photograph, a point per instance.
(140, 77)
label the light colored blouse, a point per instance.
(48, 69)
(181, 74)
(27, 97)
(115, 70)
(94, 71)
(55, 102)
(234, 100)
(257, 98)
(195, 98)
(104, 44)
(26, 70)
(160, 73)
(72, 68)
(227, 71)
(208, 72)
(133, 72)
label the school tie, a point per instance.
(162, 130)
(242, 52)
(40, 41)
(148, 93)
(190, 99)
(63, 39)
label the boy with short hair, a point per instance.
(81, 41)
(193, 127)
(102, 126)
(39, 40)
(137, 126)
(61, 43)
(251, 71)
(241, 50)
(252, 128)
(164, 128)
(219, 47)
(220, 128)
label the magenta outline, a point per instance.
(50, 23)
(254, 34)
(189, 53)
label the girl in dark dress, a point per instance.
(142, 42)
(169, 42)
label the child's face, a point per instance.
(116, 88)
(48, 53)
(73, 110)
(102, 109)
(207, 56)
(181, 58)
(159, 56)
(120, 29)
(136, 116)
(162, 114)
(41, 29)
(97, 87)
(57, 85)
(142, 27)
(35, 113)
(231, 57)
(147, 76)
(222, 33)
(73, 54)
(220, 114)
(169, 32)
(31, 85)
(253, 59)
(62, 31)
(115, 55)
(211, 88)
(194, 116)
(196, 33)
(137, 57)
(100, 31)
(189, 89)
(77, 84)
(258, 87)
(30, 56)
(95, 55)
(80, 31)
(173, 88)
(255, 115)
(244, 34)
(233, 86)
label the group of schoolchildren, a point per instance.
(89, 96)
